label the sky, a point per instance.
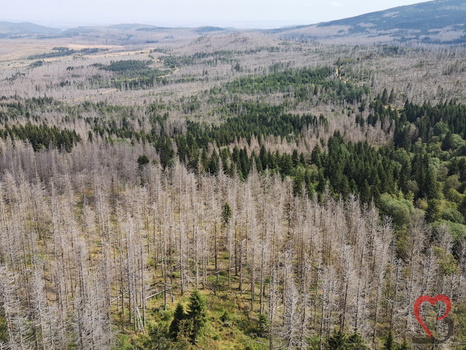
(190, 13)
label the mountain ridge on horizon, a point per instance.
(430, 22)
(434, 21)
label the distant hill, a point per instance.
(132, 30)
(25, 28)
(205, 30)
(435, 22)
(134, 27)
(141, 33)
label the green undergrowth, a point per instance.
(229, 325)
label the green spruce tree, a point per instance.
(178, 316)
(197, 314)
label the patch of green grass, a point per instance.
(229, 326)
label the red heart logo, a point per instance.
(432, 301)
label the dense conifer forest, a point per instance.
(231, 191)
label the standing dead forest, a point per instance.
(230, 191)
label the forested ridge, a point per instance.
(286, 207)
